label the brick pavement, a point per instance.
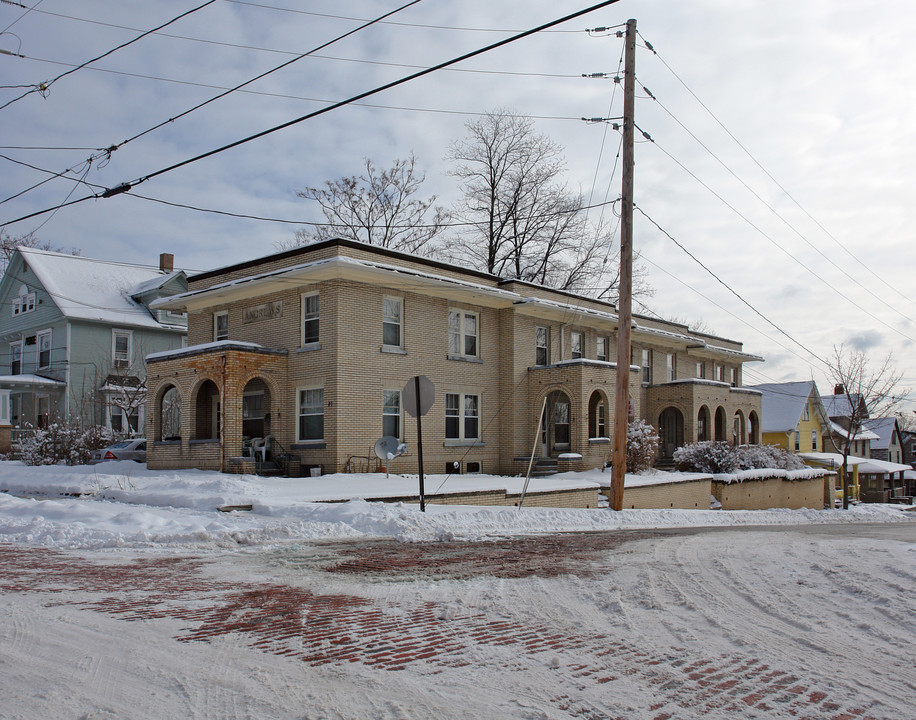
(322, 629)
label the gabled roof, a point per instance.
(99, 290)
(884, 428)
(782, 404)
(841, 405)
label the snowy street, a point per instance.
(801, 621)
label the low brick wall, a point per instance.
(686, 495)
(581, 498)
(770, 493)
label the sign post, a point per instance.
(417, 398)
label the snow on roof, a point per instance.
(28, 379)
(782, 404)
(838, 429)
(840, 405)
(155, 283)
(883, 428)
(89, 289)
(204, 347)
(869, 466)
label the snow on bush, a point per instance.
(719, 457)
(642, 445)
(63, 442)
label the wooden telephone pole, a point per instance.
(625, 294)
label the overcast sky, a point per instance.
(809, 218)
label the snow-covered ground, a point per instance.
(815, 613)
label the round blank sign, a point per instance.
(414, 405)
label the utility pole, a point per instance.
(625, 295)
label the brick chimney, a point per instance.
(166, 262)
(839, 389)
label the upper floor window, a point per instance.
(311, 414)
(806, 413)
(671, 367)
(720, 373)
(221, 325)
(601, 353)
(120, 348)
(44, 349)
(733, 376)
(16, 358)
(542, 346)
(701, 369)
(462, 416)
(392, 311)
(646, 363)
(575, 345)
(24, 301)
(310, 318)
(462, 333)
(391, 413)
(814, 440)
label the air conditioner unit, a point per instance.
(121, 363)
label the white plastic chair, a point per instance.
(260, 446)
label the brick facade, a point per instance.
(491, 380)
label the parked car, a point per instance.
(125, 450)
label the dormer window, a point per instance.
(24, 301)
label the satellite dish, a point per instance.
(389, 447)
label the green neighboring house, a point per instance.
(74, 333)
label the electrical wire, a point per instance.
(125, 187)
(45, 86)
(789, 225)
(760, 165)
(788, 254)
(28, 10)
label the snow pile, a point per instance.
(123, 504)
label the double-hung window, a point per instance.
(311, 414)
(541, 346)
(645, 361)
(575, 345)
(701, 369)
(44, 349)
(602, 349)
(310, 318)
(120, 348)
(720, 373)
(814, 440)
(463, 330)
(392, 322)
(24, 302)
(221, 325)
(16, 358)
(391, 413)
(462, 416)
(733, 376)
(671, 367)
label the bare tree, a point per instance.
(864, 390)
(9, 243)
(378, 207)
(524, 221)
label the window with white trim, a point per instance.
(310, 318)
(24, 301)
(720, 373)
(16, 358)
(392, 321)
(221, 325)
(733, 376)
(646, 363)
(701, 369)
(391, 413)
(541, 345)
(575, 345)
(463, 328)
(671, 367)
(462, 416)
(120, 348)
(814, 440)
(44, 349)
(601, 352)
(311, 414)
(797, 441)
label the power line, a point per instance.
(726, 285)
(777, 245)
(44, 86)
(858, 260)
(258, 48)
(126, 186)
(753, 192)
(27, 11)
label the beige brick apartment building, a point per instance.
(311, 348)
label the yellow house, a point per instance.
(793, 416)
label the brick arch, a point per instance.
(598, 400)
(155, 418)
(704, 424)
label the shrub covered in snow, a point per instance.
(720, 457)
(63, 442)
(706, 457)
(642, 445)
